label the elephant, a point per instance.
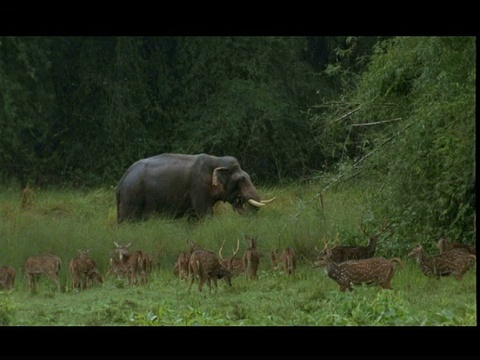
(178, 185)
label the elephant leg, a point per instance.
(130, 210)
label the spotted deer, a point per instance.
(7, 277)
(455, 262)
(251, 258)
(181, 266)
(235, 265)
(134, 264)
(287, 259)
(205, 266)
(379, 271)
(444, 244)
(48, 265)
(117, 267)
(91, 276)
(342, 253)
(83, 270)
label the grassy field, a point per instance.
(63, 222)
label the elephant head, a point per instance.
(235, 186)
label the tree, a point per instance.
(415, 113)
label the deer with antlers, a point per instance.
(134, 264)
(83, 270)
(286, 259)
(7, 277)
(205, 267)
(342, 253)
(379, 271)
(444, 244)
(48, 265)
(235, 265)
(251, 258)
(455, 262)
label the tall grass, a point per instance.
(64, 221)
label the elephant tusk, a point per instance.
(267, 201)
(255, 203)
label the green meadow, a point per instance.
(64, 221)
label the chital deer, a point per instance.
(455, 262)
(235, 265)
(7, 277)
(181, 268)
(48, 265)
(205, 266)
(342, 253)
(83, 270)
(135, 263)
(286, 259)
(181, 265)
(377, 271)
(444, 244)
(117, 267)
(251, 258)
(91, 276)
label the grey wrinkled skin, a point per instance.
(177, 185)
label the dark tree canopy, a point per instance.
(78, 110)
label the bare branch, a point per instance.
(376, 122)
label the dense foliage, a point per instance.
(412, 115)
(64, 221)
(80, 110)
(399, 111)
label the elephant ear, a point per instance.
(220, 176)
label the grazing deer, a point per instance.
(91, 276)
(235, 265)
(7, 277)
(83, 270)
(135, 263)
(251, 258)
(377, 271)
(455, 262)
(43, 264)
(205, 266)
(117, 267)
(444, 244)
(342, 253)
(287, 259)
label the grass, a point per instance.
(64, 221)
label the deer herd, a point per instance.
(346, 265)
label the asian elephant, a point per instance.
(178, 185)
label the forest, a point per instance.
(396, 111)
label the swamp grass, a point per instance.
(64, 221)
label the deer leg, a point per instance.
(57, 282)
(386, 285)
(30, 282)
(192, 279)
